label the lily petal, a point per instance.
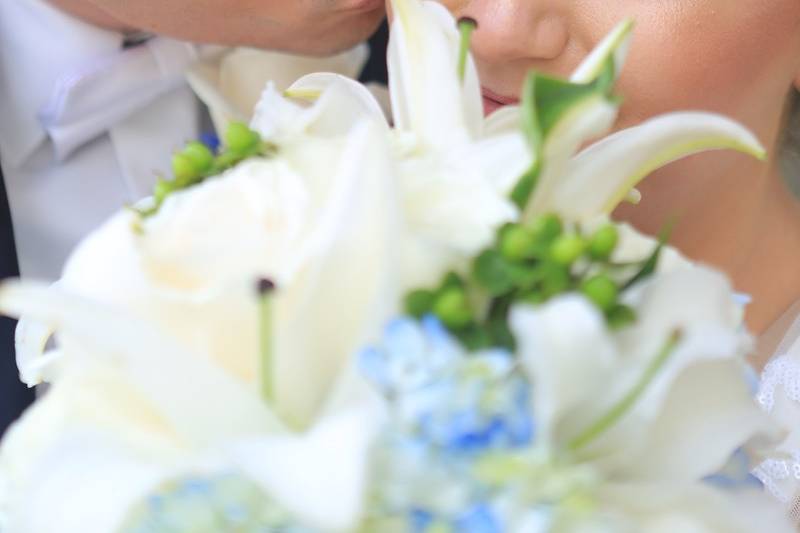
(334, 104)
(614, 47)
(111, 481)
(30, 342)
(342, 102)
(567, 352)
(321, 477)
(155, 363)
(695, 508)
(587, 120)
(428, 98)
(357, 226)
(601, 176)
(698, 430)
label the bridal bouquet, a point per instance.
(338, 324)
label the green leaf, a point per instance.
(547, 100)
(494, 273)
(420, 303)
(474, 338)
(651, 264)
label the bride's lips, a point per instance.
(493, 101)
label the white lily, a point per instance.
(230, 80)
(650, 414)
(561, 117)
(168, 323)
(453, 180)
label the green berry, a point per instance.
(200, 155)
(603, 242)
(567, 249)
(184, 170)
(601, 290)
(241, 139)
(452, 308)
(546, 228)
(517, 243)
(419, 303)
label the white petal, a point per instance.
(320, 477)
(601, 176)
(585, 121)
(342, 102)
(427, 96)
(175, 380)
(505, 120)
(708, 414)
(358, 226)
(568, 354)
(30, 341)
(334, 104)
(710, 333)
(276, 117)
(501, 159)
(615, 44)
(85, 483)
(231, 82)
(656, 508)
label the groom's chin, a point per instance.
(355, 26)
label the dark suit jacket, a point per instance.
(14, 396)
(375, 70)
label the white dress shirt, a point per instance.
(85, 126)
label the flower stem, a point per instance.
(615, 414)
(266, 290)
(466, 26)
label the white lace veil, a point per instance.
(779, 395)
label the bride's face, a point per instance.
(736, 57)
(739, 57)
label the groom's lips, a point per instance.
(493, 101)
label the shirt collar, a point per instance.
(38, 44)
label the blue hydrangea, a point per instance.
(209, 504)
(412, 355)
(479, 518)
(447, 398)
(449, 409)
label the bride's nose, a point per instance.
(517, 30)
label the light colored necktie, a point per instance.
(92, 100)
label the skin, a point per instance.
(741, 59)
(303, 26)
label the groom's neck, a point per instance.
(91, 14)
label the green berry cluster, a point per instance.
(196, 162)
(528, 263)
